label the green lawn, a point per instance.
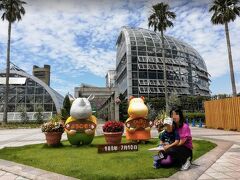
(85, 163)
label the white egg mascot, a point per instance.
(81, 125)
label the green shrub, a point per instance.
(195, 115)
(39, 115)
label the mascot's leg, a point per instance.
(87, 139)
(73, 139)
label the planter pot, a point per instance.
(53, 138)
(113, 137)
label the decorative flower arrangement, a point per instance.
(113, 126)
(54, 125)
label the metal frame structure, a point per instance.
(139, 65)
(30, 93)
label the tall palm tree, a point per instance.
(160, 20)
(12, 11)
(225, 11)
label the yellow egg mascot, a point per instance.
(137, 125)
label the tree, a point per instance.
(160, 20)
(65, 111)
(174, 101)
(225, 11)
(12, 11)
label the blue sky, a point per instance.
(77, 38)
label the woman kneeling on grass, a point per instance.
(181, 153)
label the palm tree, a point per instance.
(225, 11)
(160, 20)
(12, 11)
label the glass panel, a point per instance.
(39, 90)
(143, 75)
(47, 99)
(30, 107)
(11, 107)
(12, 90)
(39, 99)
(21, 99)
(135, 82)
(47, 107)
(20, 90)
(29, 98)
(134, 67)
(30, 82)
(30, 90)
(134, 59)
(12, 99)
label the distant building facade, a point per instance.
(42, 73)
(110, 78)
(103, 100)
(139, 65)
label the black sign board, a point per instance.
(106, 148)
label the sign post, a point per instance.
(106, 148)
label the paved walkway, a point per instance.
(220, 163)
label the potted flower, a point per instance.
(53, 130)
(113, 131)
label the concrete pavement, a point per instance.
(220, 163)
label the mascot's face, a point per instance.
(81, 108)
(137, 108)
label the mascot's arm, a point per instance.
(70, 132)
(70, 119)
(93, 119)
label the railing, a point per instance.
(223, 113)
(16, 116)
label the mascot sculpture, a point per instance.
(137, 125)
(81, 125)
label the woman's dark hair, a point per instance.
(179, 112)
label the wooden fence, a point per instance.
(223, 113)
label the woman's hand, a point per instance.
(165, 147)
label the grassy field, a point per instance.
(85, 163)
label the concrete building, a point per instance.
(104, 99)
(139, 65)
(42, 73)
(110, 78)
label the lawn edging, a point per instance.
(203, 162)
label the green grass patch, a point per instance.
(85, 163)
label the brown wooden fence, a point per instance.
(223, 113)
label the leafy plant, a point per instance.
(23, 113)
(113, 126)
(54, 125)
(39, 114)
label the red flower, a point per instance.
(113, 126)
